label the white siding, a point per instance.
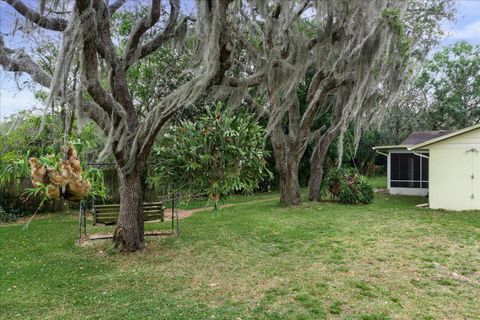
(450, 173)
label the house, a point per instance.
(407, 170)
(445, 165)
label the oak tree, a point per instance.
(100, 90)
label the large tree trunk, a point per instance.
(316, 167)
(129, 233)
(289, 185)
(316, 174)
(287, 163)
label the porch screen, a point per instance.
(408, 171)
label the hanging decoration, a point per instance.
(66, 181)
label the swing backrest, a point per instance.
(108, 213)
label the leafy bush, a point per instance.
(13, 167)
(348, 187)
(98, 188)
(220, 153)
(9, 214)
(5, 216)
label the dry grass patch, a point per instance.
(388, 260)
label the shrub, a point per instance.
(9, 215)
(10, 208)
(349, 187)
(220, 153)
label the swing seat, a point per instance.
(108, 214)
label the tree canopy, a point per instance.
(450, 85)
(314, 72)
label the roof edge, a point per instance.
(399, 146)
(444, 137)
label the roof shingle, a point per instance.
(422, 136)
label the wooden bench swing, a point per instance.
(107, 214)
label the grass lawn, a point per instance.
(232, 199)
(388, 260)
(379, 182)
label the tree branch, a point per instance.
(167, 34)
(251, 81)
(318, 97)
(297, 14)
(90, 64)
(140, 28)
(294, 116)
(255, 106)
(316, 134)
(118, 76)
(18, 61)
(55, 24)
(116, 5)
(217, 43)
(105, 46)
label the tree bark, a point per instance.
(129, 233)
(289, 184)
(317, 161)
(287, 162)
(316, 174)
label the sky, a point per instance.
(14, 98)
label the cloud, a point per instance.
(468, 4)
(469, 32)
(12, 101)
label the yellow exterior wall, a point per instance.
(450, 170)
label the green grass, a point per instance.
(379, 182)
(388, 260)
(232, 199)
